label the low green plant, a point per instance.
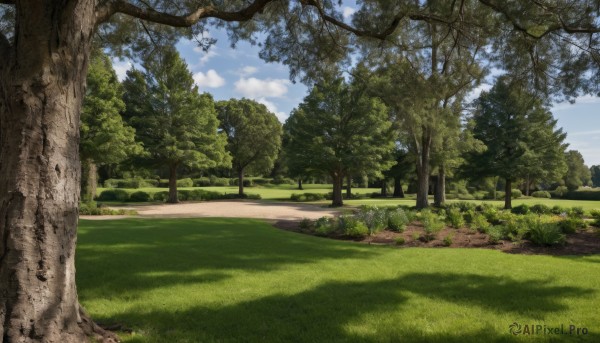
(491, 213)
(399, 240)
(556, 209)
(570, 224)
(307, 197)
(448, 240)
(540, 209)
(455, 218)
(415, 236)
(596, 216)
(373, 217)
(545, 233)
(139, 196)
(306, 224)
(541, 194)
(432, 224)
(397, 220)
(521, 209)
(516, 193)
(480, 223)
(576, 211)
(495, 234)
(113, 195)
(325, 226)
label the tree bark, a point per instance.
(42, 84)
(423, 171)
(398, 191)
(300, 184)
(440, 187)
(89, 180)
(527, 185)
(241, 182)
(348, 187)
(338, 180)
(508, 195)
(173, 199)
(384, 192)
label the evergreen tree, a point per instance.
(253, 135)
(578, 174)
(595, 175)
(177, 125)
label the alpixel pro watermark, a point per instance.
(537, 329)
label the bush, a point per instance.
(576, 211)
(91, 209)
(521, 209)
(455, 218)
(540, 209)
(596, 215)
(113, 195)
(352, 227)
(139, 196)
(160, 196)
(202, 182)
(462, 206)
(220, 181)
(559, 192)
(541, 194)
(307, 197)
(582, 195)
(306, 224)
(516, 228)
(480, 223)
(187, 182)
(374, 218)
(569, 225)
(397, 220)
(558, 210)
(494, 234)
(400, 240)
(329, 196)
(432, 223)
(491, 213)
(515, 193)
(247, 182)
(448, 240)
(278, 180)
(134, 183)
(545, 233)
(325, 226)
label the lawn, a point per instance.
(239, 280)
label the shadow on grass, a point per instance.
(337, 312)
(139, 254)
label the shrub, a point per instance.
(516, 228)
(202, 182)
(397, 220)
(113, 195)
(220, 181)
(278, 180)
(374, 218)
(92, 209)
(415, 236)
(521, 209)
(259, 181)
(558, 210)
(494, 234)
(596, 215)
(400, 240)
(160, 196)
(455, 218)
(469, 215)
(352, 227)
(325, 226)
(515, 193)
(448, 240)
(462, 206)
(480, 223)
(541, 194)
(576, 211)
(582, 195)
(183, 195)
(492, 214)
(307, 197)
(540, 209)
(247, 182)
(560, 191)
(432, 223)
(545, 233)
(187, 182)
(569, 225)
(306, 224)
(139, 196)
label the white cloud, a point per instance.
(282, 116)
(254, 88)
(121, 68)
(206, 55)
(586, 99)
(211, 79)
(474, 94)
(347, 12)
(247, 70)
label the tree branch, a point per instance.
(7, 2)
(109, 8)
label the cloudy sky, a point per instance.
(235, 73)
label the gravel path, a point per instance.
(229, 209)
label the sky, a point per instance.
(235, 73)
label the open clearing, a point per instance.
(241, 280)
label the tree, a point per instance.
(176, 124)
(45, 49)
(253, 136)
(578, 174)
(105, 138)
(595, 175)
(336, 129)
(516, 128)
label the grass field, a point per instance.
(233, 280)
(283, 193)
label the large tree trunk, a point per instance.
(338, 180)
(398, 191)
(440, 187)
(300, 184)
(423, 171)
(89, 180)
(173, 199)
(41, 88)
(348, 187)
(241, 182)
(508, 195)
(384, 192)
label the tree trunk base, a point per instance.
(94, 331)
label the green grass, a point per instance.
(239, 280)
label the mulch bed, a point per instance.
(584, 242)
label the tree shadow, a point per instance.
(332, 311)
(140, 254)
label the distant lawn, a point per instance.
(234, 280)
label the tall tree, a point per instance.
(253, 135)
(105, 138)
(509, 120)
(578, 174)
(176, 124)
(337, 128)
(595, 175)
(45, 48)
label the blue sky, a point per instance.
(235, 73)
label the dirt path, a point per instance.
(229, 209)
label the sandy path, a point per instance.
(229, 209)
